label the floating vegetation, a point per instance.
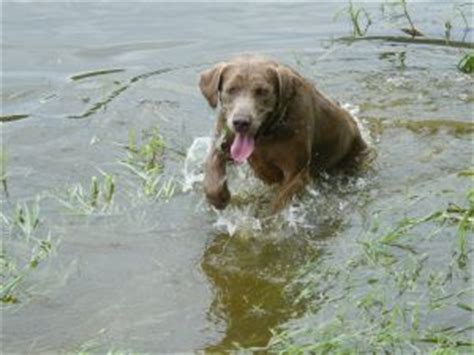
(22, 228)
(145, 160)
(26, 219)
(464, 216)
(466, 64)
(95, 73)
(3, 171)
(467, 172)
(110, 352)
(99, 198)
(150, 74)
(372, 302)
(433, 126)
(395, 57)
(412, 31)
(410, 40)
(102, 104)
(423, 126)
(11, 118)
(359, 29)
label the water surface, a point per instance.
(174, 276)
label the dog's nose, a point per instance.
(241, 125)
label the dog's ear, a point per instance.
(210, 83)
(287, 80)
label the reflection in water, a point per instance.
(255, 262)
(252, 277)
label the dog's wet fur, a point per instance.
(297, 131)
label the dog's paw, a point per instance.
(219, 196)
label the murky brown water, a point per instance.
(156, 276)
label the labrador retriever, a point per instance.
(274, 118)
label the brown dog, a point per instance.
(277, 120)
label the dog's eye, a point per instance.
(232, 90)
(261, 92)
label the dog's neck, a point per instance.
(273, 123)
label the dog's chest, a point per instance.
(262, 163)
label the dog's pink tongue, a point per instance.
(242, 147)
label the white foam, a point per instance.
(296, 217)
(354, 110)
(233, 220)
(193, 164)
(398, 81)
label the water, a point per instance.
(172, 275)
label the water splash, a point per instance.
(326, 197)
(354, 110)
(193, 165)
(238, 220)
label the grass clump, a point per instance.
(464, 217)
(145, 159)
(111, 352)
(26, 219)
(466, 64)
(22, 250)
(3, 171)
(357, 16)
(412, 30)
(98, 198)
(415, 36)
(392, 296)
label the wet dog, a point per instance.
(272, 117)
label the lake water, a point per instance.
(171, 275)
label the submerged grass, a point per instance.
(357, 17)
(428, 127)
(16, 264)
(116, 92)
(95, 73)
(466, 64)
(111, 352)
(3, 171)
(415, 36)
(145, 159)
(410, 40)
(26, 218)
(388, 294)
(12, 118)
(98, 199)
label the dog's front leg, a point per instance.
(292, 184)
(215, 179)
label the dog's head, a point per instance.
(250, 91)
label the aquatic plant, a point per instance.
(466, 64)
(374, 303)
(11, 118)
(26, 218)
(115, 92)
(21, 230)
(145, 159)
(98, 199)
(3, 171)
(94, 73)
(412, 30)
(357, 17)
